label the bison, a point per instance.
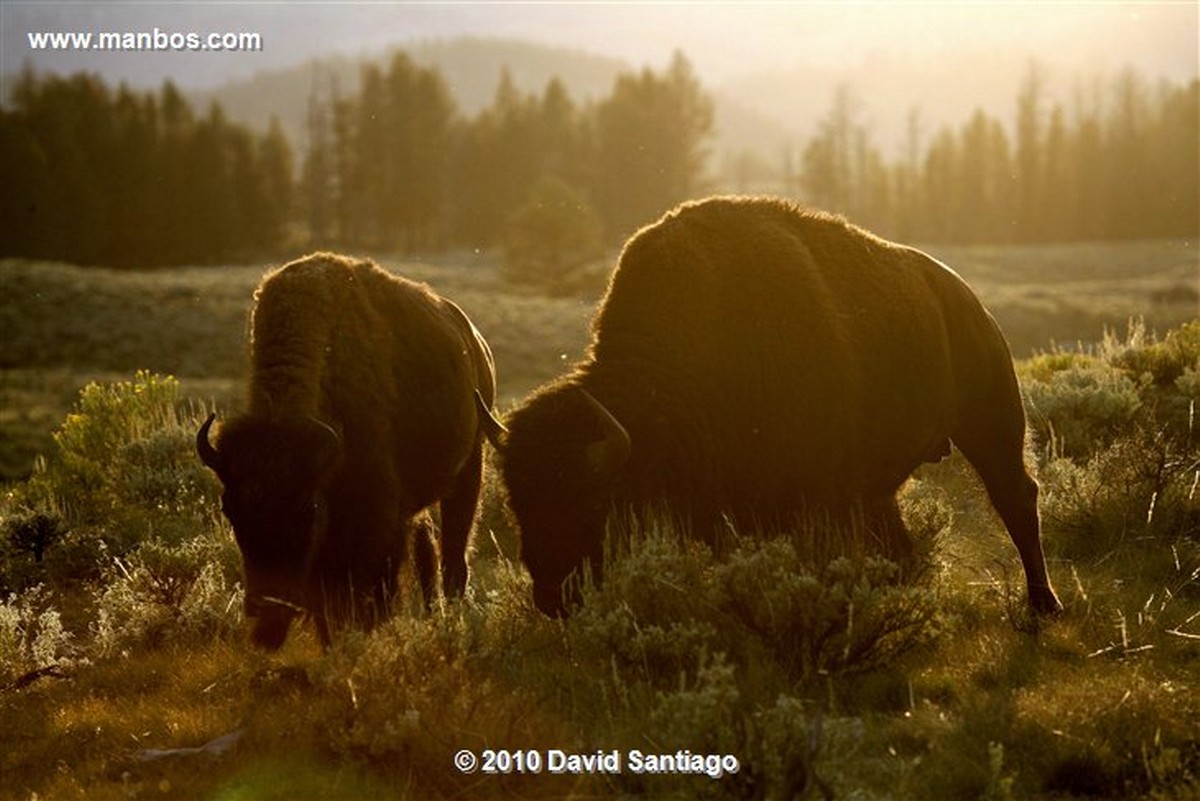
(361, 414)
(753, 361)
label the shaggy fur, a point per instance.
(361, 415)
(767, 361)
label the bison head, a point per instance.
(562, 456)
(274, 474)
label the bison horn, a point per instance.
(329, 446)
(610, 453)
(493, 429)
(208, 454)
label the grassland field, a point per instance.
(943, 690)
(64, 325)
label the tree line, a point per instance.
(394, 166)
(96, 176)
(102, 176)
(1120, 161)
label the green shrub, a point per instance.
(1142, 487)
(1043, 366)
(163, 592)
(849, 615)
(678, 648)
(1128, 519)
(791, 598)
(25, 539)
(1078, 410)
(1078, 402)
(489, 673)
(32, 637)
(776, 742)
(1163, 362)
(124, 470)
(1165, 370)
(124, 503)
(1188, 385)
(704, 716)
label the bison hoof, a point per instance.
(269, 634)
(1044, 602)
(454, 582)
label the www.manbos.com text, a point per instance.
(154, 40)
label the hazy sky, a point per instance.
(724, 41)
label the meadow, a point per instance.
(125, 671)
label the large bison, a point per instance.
(361, 415)
(752, 361)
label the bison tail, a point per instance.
(208, 454)
(493, 429)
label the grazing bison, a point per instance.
(361, 414)
(753, 360)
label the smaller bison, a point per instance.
(361, 415)
(753, 362)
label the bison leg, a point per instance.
(458, 517)
(425, 558)
(324, 634)
(997, 454)
(271, 626)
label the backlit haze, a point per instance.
(725, 41)
(780, 60)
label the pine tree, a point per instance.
(551, 235)
(1176, 162)
(317, 179)
(275, 206)
(1059, 190)
(843, 172)
(506, 151)
(651, 145)
(939, 188)
(982, 202)
(1030, 211)
(136, 200)
(177, 125)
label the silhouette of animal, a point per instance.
(753, 361)
(361, 414)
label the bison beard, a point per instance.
(361, 416)
(753, 361)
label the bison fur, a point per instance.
(361, 415)
(753, 361)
